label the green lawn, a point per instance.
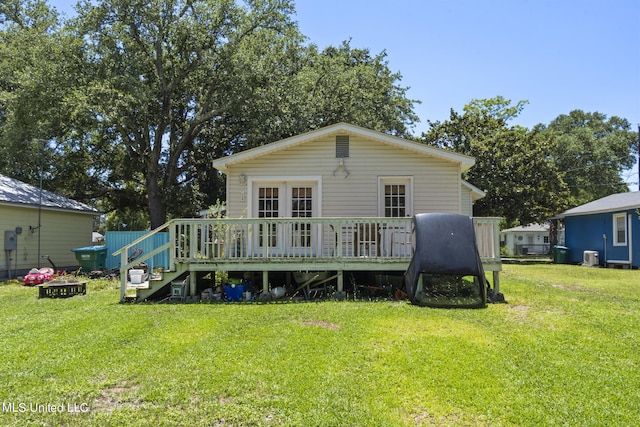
(564, 350)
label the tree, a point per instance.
(40, 125)
(591, 151)
(297, 88)
(135, 98)
(512, 164)
(522, 185)
(156, 73)
(26, 42)
(176, 82)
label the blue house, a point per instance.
(609, 226)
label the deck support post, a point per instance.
(496, 282)
(340, 281)
(193, 282)
(265, 283)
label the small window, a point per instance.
(342, 146)
(620, 229)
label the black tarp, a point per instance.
(445, 270)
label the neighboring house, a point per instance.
(526, 239)
(331, 201)
(609, 226)
(36, 224)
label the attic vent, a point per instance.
(342, 146)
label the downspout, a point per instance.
(630, 220)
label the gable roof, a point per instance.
(534, 227)
(476, 193)
(612, 203)
(223, 163)
(18, 193)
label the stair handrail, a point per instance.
(124, 254)
(143, 238)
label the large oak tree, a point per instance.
(157, 73)
(135, 97)
(592, 152)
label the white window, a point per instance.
(620, 229)
(394, 199)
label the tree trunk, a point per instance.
(157, 208)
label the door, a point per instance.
(301, 205)
(269, 205)
(395, 201)
(297, 199)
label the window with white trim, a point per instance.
(620, 229)
(268, 207)
(394, 198)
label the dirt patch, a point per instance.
(321, 324)
(573, 288)
(520, 308)
(116, 397)
(426, 419)
(520, 313)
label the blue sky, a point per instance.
(560, 55)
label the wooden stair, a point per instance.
(148, 289)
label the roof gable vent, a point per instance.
(342, 146)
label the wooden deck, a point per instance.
(292, 244)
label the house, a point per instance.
(346, 171)
(36, 223)
(340, 198)
(609, 226)
(526, 239)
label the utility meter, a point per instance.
(10, 240)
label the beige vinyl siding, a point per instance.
(61, 231)
(436, 182)
(466, 201)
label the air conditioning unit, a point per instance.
(590, 258)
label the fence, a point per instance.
(119, 239)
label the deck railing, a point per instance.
(488, 238)
(291, 238)
(316, 240)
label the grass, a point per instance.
(564, 350)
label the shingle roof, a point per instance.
(17, 192)
(612, 203)
(538, 228)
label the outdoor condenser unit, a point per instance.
(590, 258)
